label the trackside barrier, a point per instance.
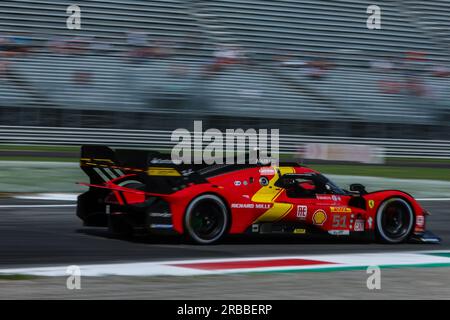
(161, 140)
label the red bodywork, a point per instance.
(253, 198)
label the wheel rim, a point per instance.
(396, 220)
(207, 220)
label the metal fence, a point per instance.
(161, 140)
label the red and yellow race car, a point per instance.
(142, 192)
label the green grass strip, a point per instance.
(17, 277)
(439, 254)
(386, 171)
(351, 268)
(38, 159)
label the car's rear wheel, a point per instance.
(206, 220)
(395, 220)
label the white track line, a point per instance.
(173, 268)
(433, 199)
(36, 206)
(49, 196)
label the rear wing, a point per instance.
(154, 170)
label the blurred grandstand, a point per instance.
(305, 66)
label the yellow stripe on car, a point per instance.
(167, 172)
(276, 213)
(269, 193)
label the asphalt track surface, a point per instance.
(41, 233)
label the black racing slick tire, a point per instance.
(394, 221)
(206, 220)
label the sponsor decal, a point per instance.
(267, 171)
(263, 181)
(251, 206)
(237, 183)
(167, 172)
(302, 212)
(328, 197)
(371, 204)
(245, 182)
(161, 161)
(242, 205)
(319, 217)
(339, 232)
(161, 214)
(339, 221)
(300, 231)
(161, 226)
(420, 221)
(340, 209)
(359, 225)
(263, 206)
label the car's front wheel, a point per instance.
(206, 220)
(395, 220)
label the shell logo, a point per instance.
(319, 217)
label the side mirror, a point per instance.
(357, 187)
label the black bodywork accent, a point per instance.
(311, 231)
(99, 161)
(357, 187)
(91, 207)
(144, 218)
(357, 202)
(137, 162)
(95, 158)
(139, 217)
(424, 237)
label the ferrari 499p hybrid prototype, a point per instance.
(142, 192)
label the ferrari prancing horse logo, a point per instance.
(371, 204)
